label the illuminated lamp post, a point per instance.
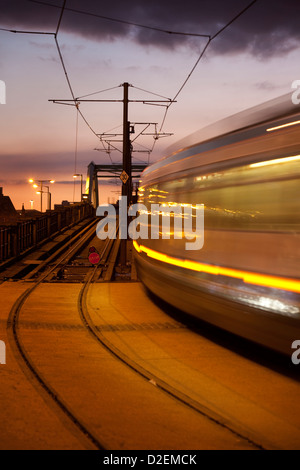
(41, 190)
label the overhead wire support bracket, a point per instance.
(61, 101)
(160, 134)
(108, 135)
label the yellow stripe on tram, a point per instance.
(284, 283)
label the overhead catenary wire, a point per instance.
(26, 32)
(69, 83)
(63, 8)
(96, 92)
(118, 20)
(60, 17)
(233, 19)
(76, 103)
(65, 71)
(209, 38)
(54, 34)
(151, 93)
(184, 83)
(71, 90)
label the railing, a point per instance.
(17, 238)
(5, 243)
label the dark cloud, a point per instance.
(268, 28)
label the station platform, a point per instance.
(150, 383)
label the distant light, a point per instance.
(31, 180)
(52, 181)
(283, 125)
(35, 186)
(273, 162)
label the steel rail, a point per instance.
(152, 378)
(20, 351)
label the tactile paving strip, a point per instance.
(106, 327)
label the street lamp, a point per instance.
(75, 176)
(41, 190)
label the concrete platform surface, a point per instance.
(120, 408)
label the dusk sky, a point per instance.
(255, 59)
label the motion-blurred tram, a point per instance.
(245, 170)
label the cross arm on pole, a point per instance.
(63, 101)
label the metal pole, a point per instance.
(41, 196)
(125, 136)
(126, 167)
(128, 171)
(49, 197)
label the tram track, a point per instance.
(29, 264)
(14, 326)
(22, 355)
(162, 385)
(60, 258)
